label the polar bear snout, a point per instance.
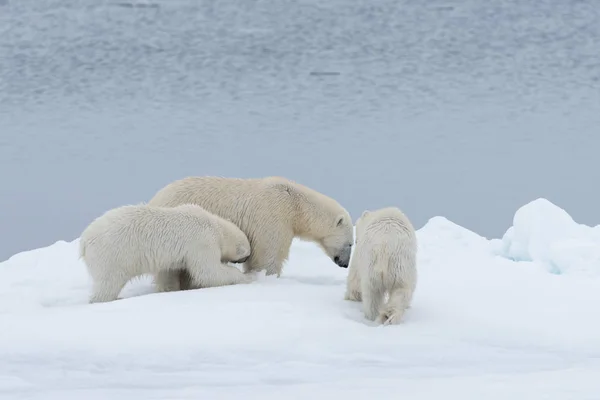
(342, 259)
(243, 253)
(241, 260)
(339, 262)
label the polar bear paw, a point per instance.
(391, 317)
(254, 276)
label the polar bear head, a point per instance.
(337, 243)
(361, 222)
(315, 217)
(235, 246)
(322, 220)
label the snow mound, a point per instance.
(546, 234)
(480, 325)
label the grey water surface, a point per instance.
(466, 109)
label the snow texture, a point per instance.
(481, 326)
(546, 234)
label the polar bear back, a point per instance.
(150, 238)
(260, 206)
(379, 223)
(387, 235)
(238, 200)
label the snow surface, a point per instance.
(546, 234)
(482, 326)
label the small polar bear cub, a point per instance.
(383, 263)
(133, 240)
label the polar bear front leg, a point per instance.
(215, 273)
(269, 255)
(186, 282)
(167, 281)
(353, 290)
(270, 265)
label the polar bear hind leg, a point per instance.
(167, 281)
(108, 287)
(397, 304)
(373, 293)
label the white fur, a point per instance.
(133, 240)
(271, 211)
(383, 263)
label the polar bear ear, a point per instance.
(365, 213)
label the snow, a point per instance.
(489, 320)
(547, 234)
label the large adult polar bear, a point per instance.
(271, 211)
(133, 240)
(384, 262)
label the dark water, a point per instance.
(441, 107)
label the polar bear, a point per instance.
(383, 263)
(133, 240)
(271, 211)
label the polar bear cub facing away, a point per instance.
(383, 263)
(133, 240)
